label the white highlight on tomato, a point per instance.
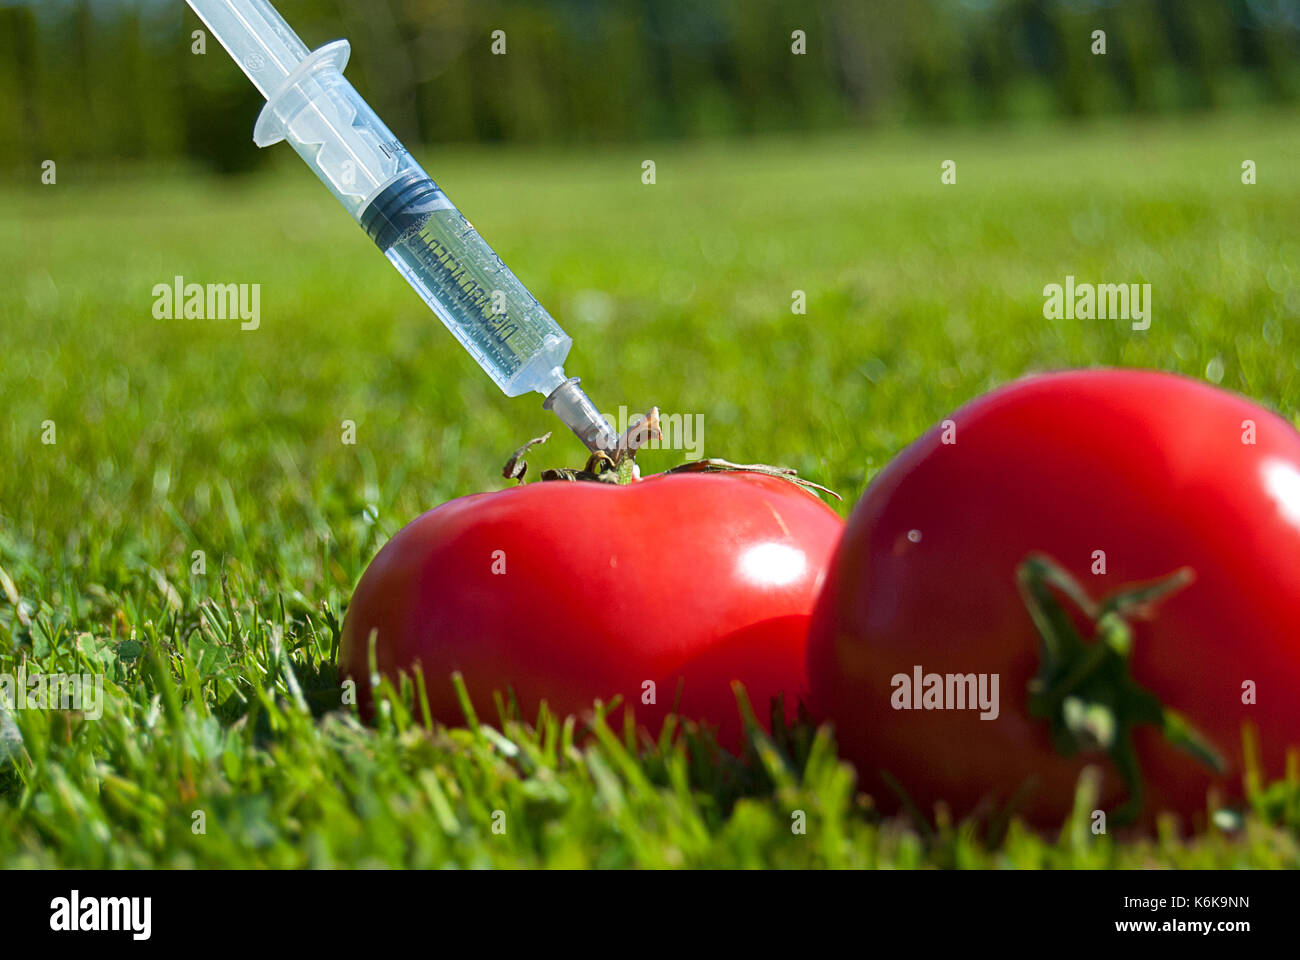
(773, 564)
(1282, 481)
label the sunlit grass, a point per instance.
(184, 435)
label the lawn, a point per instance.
(220, 743)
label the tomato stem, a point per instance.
(1086, 691)
(620, 466)
(726, 466)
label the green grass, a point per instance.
(184, 435)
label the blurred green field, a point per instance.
(181, 435)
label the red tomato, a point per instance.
(572, 591)
(1158, 471)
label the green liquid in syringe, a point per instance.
(481, 302)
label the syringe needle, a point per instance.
(574, 407)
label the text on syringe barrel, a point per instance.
(465, 283)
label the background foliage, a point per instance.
(116, 79)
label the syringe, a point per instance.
(310, 104)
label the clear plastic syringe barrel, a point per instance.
(465, 283)
(483, 304)
(431, 244)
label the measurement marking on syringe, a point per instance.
(397, 150)
(479, 298)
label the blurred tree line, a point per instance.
(118, 79)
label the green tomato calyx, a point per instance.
(1086, 691)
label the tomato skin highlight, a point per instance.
(706, 577)
(1150, 468)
